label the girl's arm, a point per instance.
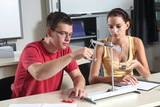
(141, 64)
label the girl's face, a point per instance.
(117, 26)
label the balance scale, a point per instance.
(114, 91)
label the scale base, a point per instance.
(110, 92)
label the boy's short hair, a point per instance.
(54, 18)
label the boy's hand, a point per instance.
(78, 92)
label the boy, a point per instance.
(41, 63)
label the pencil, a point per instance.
(136, 81)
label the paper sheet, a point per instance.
(141, 85)
(25, 105)
(59, 105)
(43, 105)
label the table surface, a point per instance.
(15, 60)
(10, 61)
(151, 98)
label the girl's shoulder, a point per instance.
(137, 40)
(138, 44)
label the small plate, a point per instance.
(122, 67)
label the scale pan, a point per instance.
(122, 67)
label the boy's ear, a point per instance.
(48, 31)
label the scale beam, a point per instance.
(110, 45)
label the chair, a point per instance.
(85, 69)
(5, 87)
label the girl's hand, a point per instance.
(129, 79)
(133, 64)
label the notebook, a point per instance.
(141, 85)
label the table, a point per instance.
(15, 59)
(10, 61)
(132, 99)
(8, 66)
(154, 77)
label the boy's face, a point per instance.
(61, 35)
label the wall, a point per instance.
(153, 56)
(34, 15)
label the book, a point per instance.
(78, 29)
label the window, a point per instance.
(157, 7)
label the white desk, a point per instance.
(151, 98)
(10, 61)
(8, 67)
(13, 61)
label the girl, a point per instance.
(118, 23)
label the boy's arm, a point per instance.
(43, 71)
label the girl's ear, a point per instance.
(48, 31)
(127, 25)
